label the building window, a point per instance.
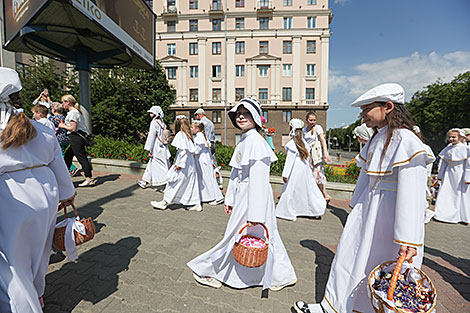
(216, 5)
(193, 97)
(286, 94)
(263, 47)
(287, 47)
(216, 24)
(216, 71)
(309, 93)
(171, 26)
(239, 70)
(239, 3)
(311, 2)
(287, 22)
(286, 116)
(193, 25)
(193, 4)
(264, 23)
(263, 70)
(240, 47)
(310, 69)
(265, 114)
(171, 3)
(193, 48)
(171, 48)
(263, 95)
(310, 46)
(239, 93)
(171, 72)
(311, 22)
(239, 23)
(216, 94)
(287, 3)
(216, 48)
(216, 117)
(193, 71)
(286, 69)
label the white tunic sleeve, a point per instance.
(361, 186)
(466, 173)
(411, 203)
(182, 158)
(151, 137)
(259, 191)
(289, 164)
(230, 193)
(64, 182)
(442, 169)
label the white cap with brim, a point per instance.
(382, 93)
(200, 111)
(157, 110)
(251, 105)
(9, 84)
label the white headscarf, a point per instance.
(363, 132)
(181, 116)
(9, 84)
(157, 110)
(458, 130)
(295, 123)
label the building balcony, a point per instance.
(264, 6)
(170, 11)
(216, 9)
(264, 101)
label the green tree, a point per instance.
(342, 134)
(440, 107)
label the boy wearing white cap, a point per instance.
(156, 172)
(300, 193)
(249, 201)
(388, 203)
(453, 198)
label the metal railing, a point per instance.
(216, 6)
(172, 9)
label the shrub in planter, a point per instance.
(352, 169)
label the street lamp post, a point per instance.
(349, 137)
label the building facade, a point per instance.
(216, 52)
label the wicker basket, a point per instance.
(59, 232)
(251, 256)
(379, 305)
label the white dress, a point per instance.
(208, 187)
(453, 198)
(156, 172)
(251, 196)
(33, 179)
(300, 195)
(388, 211)
(182, 186)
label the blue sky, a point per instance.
(410, 42)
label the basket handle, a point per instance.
(396, 272)
(246, 225)
(74, 209)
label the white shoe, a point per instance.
(221, 187)
(142, 184)
(428, 215)
(277, 288)
(197, 208)
(302, 307)
(216, 202)
(208, 281)
(161, 205)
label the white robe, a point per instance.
(182, 186)
(156, 172)
(208, 187)
(300, 195)
(251, 196)
(388, 211)
(33, 179)
(453, 198)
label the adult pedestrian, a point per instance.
(467, 135)
(44, 99)
(33, 179)
(315, 138)
(208, 129)
(77, 130)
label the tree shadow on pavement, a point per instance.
(342, 214)
(323, 259)
(459, 282)
(93, 277)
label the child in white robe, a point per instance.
(300, 193)
(453, 198)
(33, 180)
(249, 200)
(156, 172)
(182, 187)
(208, 188)
(387, 217)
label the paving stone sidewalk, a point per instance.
(137, 260)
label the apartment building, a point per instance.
(216, 52)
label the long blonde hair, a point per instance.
(19, 129)
(182, 124)
(299, 143)
(200, 126)
(72, 101)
